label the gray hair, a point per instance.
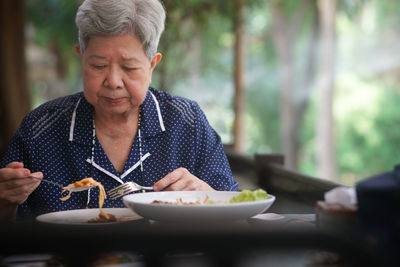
(142, 18)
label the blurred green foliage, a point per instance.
(55, 30)
(370, 134)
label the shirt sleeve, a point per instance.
(212, 166)
(17, 149)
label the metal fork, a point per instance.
(73, 189)
(125, 189)
(47, 181)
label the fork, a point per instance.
(125, 189)
(76, 189)
(47, 181)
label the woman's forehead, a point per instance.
(122, 40)
(127, 47)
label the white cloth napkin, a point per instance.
(342, 195)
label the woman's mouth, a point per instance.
(113, 100)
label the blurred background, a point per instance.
(315, 80)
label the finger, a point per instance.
(180, 185)
(15, 165)
(37, 175)
(168, 179)
(18, 195)
(9, 173)
(18, 183)
(189, 183)
(16, 198)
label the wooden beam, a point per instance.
(14, 93)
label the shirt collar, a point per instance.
(81, 126)
(152, 122)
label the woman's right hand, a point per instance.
(15, 187)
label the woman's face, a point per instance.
(116, 73)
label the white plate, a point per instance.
(81, 216)
(141, 204)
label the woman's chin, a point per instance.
(114, 110)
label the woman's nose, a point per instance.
(113, 79)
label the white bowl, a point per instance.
(141, 203)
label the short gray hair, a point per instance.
(142, 18)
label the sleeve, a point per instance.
(212, 166)
(18, 147)
(19, 150)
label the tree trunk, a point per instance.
(294, 95)
(305, 87)
(239, 79)
(195, 72)
(325, 146)
(162, 68)
(15, 99)
(283, 45)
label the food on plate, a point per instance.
(102, 195)
(103, 219)
(247, 196)
(244, 196)
(179, 201)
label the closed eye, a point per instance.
(130, 69)
(99, 67)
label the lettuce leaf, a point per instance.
(247, 195)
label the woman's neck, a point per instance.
(116, 136)
(115, 126)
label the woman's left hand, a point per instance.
(181, 180)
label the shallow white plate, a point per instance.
(141, 204)
(81, 216)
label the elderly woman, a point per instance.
(119, 129)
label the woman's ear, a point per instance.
(157, 57)
(78, 49)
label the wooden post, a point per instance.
(239, 73)
(262, 164)
(14, 94)
(325, 139)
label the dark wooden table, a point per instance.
(224, 244)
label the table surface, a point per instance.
(224, 242)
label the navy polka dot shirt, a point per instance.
(56, 139)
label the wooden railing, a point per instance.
(295, 192)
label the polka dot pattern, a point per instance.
(175, 133)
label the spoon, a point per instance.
(71, 189)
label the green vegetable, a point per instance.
(247, 195)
